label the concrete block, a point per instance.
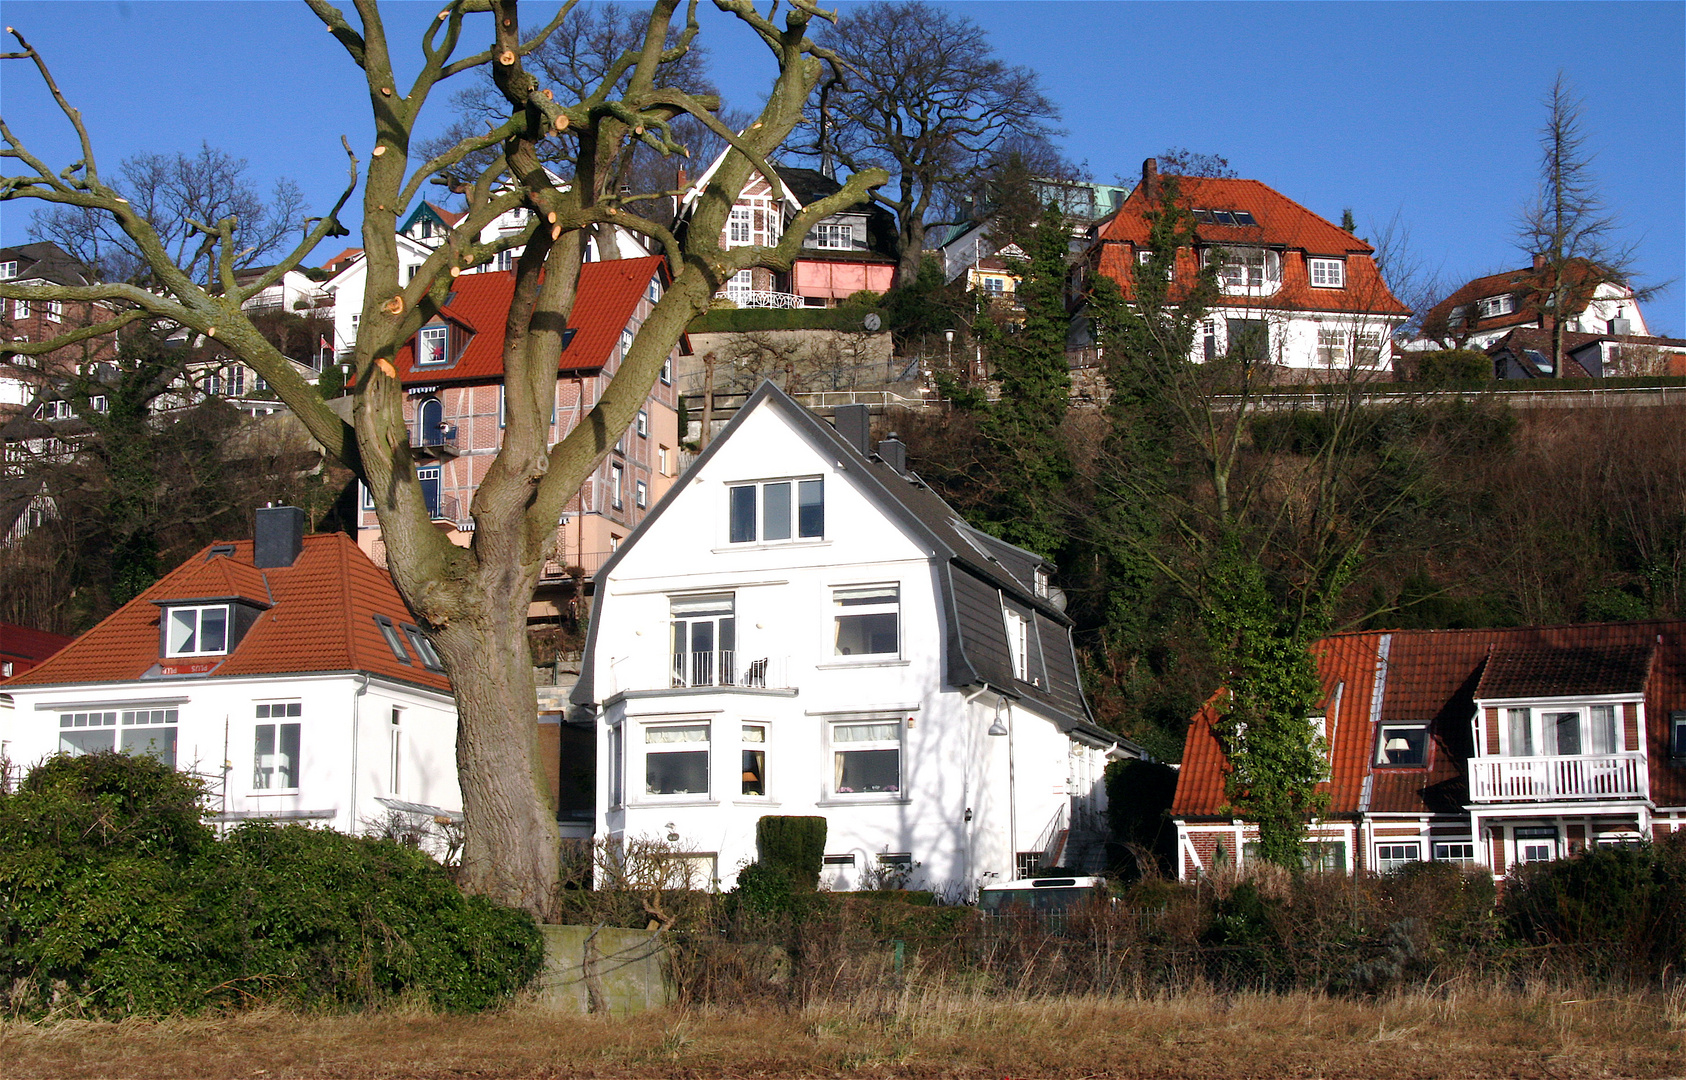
(604, 970)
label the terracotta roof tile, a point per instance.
(321, 619)
(1523, 284)
(1434, 677)
(608, 294)
(23, 643)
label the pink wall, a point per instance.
(837, 280)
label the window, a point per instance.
(1496, 305)
(395, 751)
(196, 631)
(676, 759)
(995, 286)
(704, 640)
(866, 620)
(1519, 734)
(1321, 856)
(55, 410)
(1331, 346)
(617, 764)
(640, 494)
(755, 759)
(653, 293)
(393, 641)
(616, 474)
(642, 424)
(20, 309)
(1536, 843)
(1145, 256)
(664, 461)
(1677, 735)
(838, 860)
(1244, 269)
(8, 269)
(275, 748)
(765, 512)
(506, 259)
(1018, 644)
(626, 343)
(1320, 731)
(1367, 346)
(738, 227)
(867, 757)
(1402, 746)
(1455, 851)
(1327, 273)
(53, 310)
(100, 403)
(142, 731)
(430, 345)
(1393, 856)
(739, 286)
(833, 237)
(1565, 732)
(667, 370)
(424, 648)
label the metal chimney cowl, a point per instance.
(277, 536)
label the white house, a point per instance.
(285, 671)
(1483, 311)
(803, 627)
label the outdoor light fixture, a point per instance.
(672, 833)
(1000, 725)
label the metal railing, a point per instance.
(725, 667)
(441, 440)
(443, 507)
(1546, 778)
(762, 298)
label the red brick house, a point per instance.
(453, 378)
(1295, 289)
(23, 377)
(1481, 747)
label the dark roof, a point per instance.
(1526, 284)
(811, 184)
(47, 261)
(977, 574)
(1435, 677)
(23, 643)
(1542, 672)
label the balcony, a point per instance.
(762, 298)
(1557, 778)
(721, 669)
(435, 441)
(442, 508)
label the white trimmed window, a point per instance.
(1393, 856)
(395, 751)
(1402, 746)
(676, 759)
(653, 293)
(626, 342)
(430, 345)
(8, 269)
(1248, 269)
(833, 237)
(866, 620)
(1536, 843)
(738, 226)
(1018, 643)
(617, 764)
(52, 310)
(275, 747)
(196, 631)
(1454, 851)
(1331, 346)
(640, 494)
(773, 511)
(20, 309)
(642, 425)
(1561, 731)
(1327, 273)
(739, 286)
(866, 757)
(617, 475)
(133, 731)
(755, 759)
(1495, 305)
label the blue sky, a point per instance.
(1425, 111)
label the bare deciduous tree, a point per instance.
(472, 601)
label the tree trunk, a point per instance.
(911, 233)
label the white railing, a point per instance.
(745, 298)
(722, 668)
(1546, 778)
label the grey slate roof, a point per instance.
(979, 575)
(48, 262)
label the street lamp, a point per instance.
(948, 350)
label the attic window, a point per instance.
(1224, 217)
(430, 345)
(1496, 305)
(8, 269)
(424, 648)
(221, 549)
(393, 641)
(196, 631)
(1402, 746)
(1327, 273)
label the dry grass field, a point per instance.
(914, 1034)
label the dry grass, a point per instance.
(915, 1033)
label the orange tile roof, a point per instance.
(1281, 223)
(607, 295)
(1525, 284)
(318, 616)
(1432, 676)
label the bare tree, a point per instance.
(472, 602)
(1181, 161)
(925, 98)
(1567, 227)
(177, 191)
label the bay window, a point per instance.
(866, 757)
(676, 759)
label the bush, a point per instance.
(120, 900)
(1450, 369)
(794, 844)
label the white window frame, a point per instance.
(642, 424)
(1393, 854)
(198, 611)
(740, 226)
(617, 765)
(707, 750)
(640, 494)
(1541, 740)
(8, 269)
(1535, 848)
(626, 341)
(754, 759)
(1331, 345)
(426, 339)
(1017, 628)
(122, 719)
(52, 310)
(617, 477)
(395, 751)
(20, 309)
(278, 719)
(1327, 273)
(833, 236)
(798, 487)
(855, 602)
(1460, 852)
(1247, 269)
(1492, 307)
(1380, 760)
(840, 746)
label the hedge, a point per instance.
(748, 320)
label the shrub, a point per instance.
(794, 844)
(120, 900)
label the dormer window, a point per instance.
(1496, 305)
(8, 269)
(196, 631)
(1327, 273)
(833, 237)
(430, 345)
(1402, 746)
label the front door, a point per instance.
(428, 477)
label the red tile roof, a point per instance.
(318, 616)
(1432, 676)
(26, 647)
(607, 295)
(1525, 284)
(1281, 223)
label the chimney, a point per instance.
(893, 452)
(854, 423)
(1150, 178)
(278, 536)
(1539, 262)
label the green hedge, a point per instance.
(119, 900)
(746, 320)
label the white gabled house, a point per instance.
(802, 627)
(285, 671)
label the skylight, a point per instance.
(1224, 217)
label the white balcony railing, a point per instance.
(762, 298)
(1549, 778)
(721, 668)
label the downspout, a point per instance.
(1012, 795)
(356, 732)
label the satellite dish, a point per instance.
(872, 322)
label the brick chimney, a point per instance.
(1150, 178)
(1539, 262)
